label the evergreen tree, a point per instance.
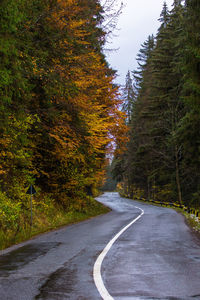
(164, 16)
(128, 97)
(143, 58)
(167, 103)
(188, 131)
(134, 164)
(153, 160)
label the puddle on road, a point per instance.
(22, 256)
(59, 285)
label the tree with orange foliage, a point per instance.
(72, 107)
(74, 98)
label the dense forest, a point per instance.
(162, 104)
(61, 113)
(59, 107)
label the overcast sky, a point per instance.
(138, 20)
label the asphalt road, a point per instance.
(157, 257)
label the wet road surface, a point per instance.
(155, 258)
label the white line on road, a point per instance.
(97, 266)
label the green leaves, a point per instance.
(58, 103)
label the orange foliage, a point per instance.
(88, 99)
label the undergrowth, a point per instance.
(46, 216)
(193, 221)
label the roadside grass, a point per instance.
(53, 218)
(192, 220)
(194, 223)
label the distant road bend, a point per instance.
(137, 251)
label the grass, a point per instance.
(192, 221)
(54, 218)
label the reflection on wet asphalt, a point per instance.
(25, 254)
(60, 284)
(168, 298)
(155, 259)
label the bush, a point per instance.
(9, 213)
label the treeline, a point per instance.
(162, 102)
(58, 104)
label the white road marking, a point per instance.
(97, 266)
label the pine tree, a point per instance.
(135, 162)
(188, 131)
(128, 97)
(162, 158)
(153, 156)
(164, 16)
(168, 104)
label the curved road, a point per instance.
(156, 257)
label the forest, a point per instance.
(62, 116)
(59, 108)
(162, 105)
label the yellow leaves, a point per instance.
(2, 171)
(66, 3)
(84, 89)
(66, 140)
(34, 62)
(45, 173)
(64, 17)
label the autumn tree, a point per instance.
(15, 122)
(60, 109)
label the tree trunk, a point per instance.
(178, 177)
